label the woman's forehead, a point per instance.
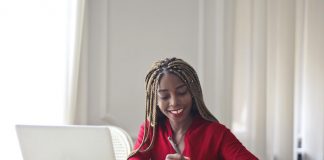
(170, 80)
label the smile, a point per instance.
(176, 112)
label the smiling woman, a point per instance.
(34, 53)
(178, 124)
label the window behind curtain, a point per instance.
(35, 40)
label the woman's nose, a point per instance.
(174, 101)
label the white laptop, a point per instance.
(71, 142)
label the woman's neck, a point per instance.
(181, 127)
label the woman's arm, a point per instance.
(232, 148)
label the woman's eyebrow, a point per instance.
(162, 90)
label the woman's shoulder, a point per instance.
(201, 124)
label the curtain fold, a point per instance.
(76, 89)
(263, 77)
(275, 102)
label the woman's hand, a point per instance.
(176, 156)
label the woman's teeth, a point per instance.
(176, 111)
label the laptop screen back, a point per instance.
(65, 142)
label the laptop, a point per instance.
(70, 142)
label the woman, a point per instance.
(178, 124)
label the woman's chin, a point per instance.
(178, 117)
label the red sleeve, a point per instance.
(139, 155)
(233, 149)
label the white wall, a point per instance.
(125, 38)
(141, 32)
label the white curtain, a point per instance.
(87, 83)
(76, 109)
(263, 54)
(263, 77)
(309, 95)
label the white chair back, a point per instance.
(122, 142)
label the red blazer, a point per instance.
(203, 140)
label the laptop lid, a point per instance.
(70, 142)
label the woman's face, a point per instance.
(174, 98)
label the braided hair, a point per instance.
(153, 114)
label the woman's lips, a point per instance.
(177, 112)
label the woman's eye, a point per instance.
(182, 92)
(164, 97)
